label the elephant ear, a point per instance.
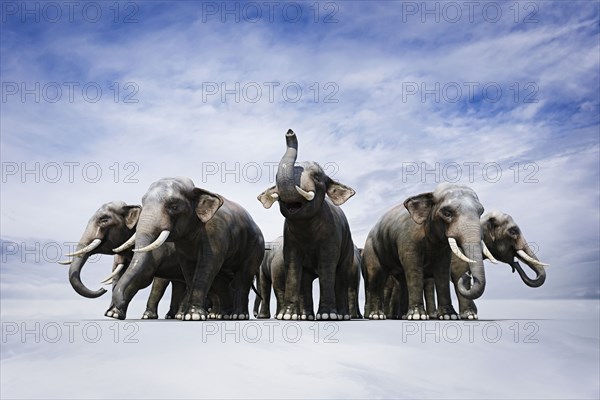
(338, 192)
(207, 204)
(268, 197)
(132, 214)
(419, 207)
(490, 224)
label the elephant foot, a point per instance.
(263, 315)
(240, 316)
(329, 315)
(377, 315)
(212, 315)
(195, 314)
(447, 313)
(288, 313)
(115, 313)
(150, 314)
(433, 314)
(179, 315)
(356, 316)
(469, 314)
(169, 316)
(307, 316)
(416, 313)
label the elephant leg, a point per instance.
(243, 284)
(375, 279)
(413, 270)
(342, 288)
(353, 299)
(327, 290)
(307, 311)
(441, 276)
(177, 293)
(293, 283)
(264, 288)
(194, 307)
(258, 298)
(159, 286)
(133, 280)
(429, 288)
(221, 299)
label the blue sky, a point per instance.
(507, 92)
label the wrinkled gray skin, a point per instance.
(217, 245)
(272, 273)
(317, 239)
(113, 223)
(503, 238)
(411, 240)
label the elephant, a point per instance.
(317, 239)
(110, 225)
(217, 244)
(505, 241)
(417, 238)
(272, 273)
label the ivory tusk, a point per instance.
(274, 196)
(113, 275)
(307, 195)
(487, 253)
(95, 243)
(65, 262)
(156, 244)
(130, 242)
(531, 260)
(456, 250)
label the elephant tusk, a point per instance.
(107, 282)
(114, 274)
(156, 244)
(274, 196)
(531, 260)
(487, 253)
(65, 262)
(307, 195)
(95, 243)
(456, 250)
(130, 242)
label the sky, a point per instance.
(101, 99)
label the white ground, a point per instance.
(524, 349)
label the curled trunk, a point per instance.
(538, 269)
(75, 277)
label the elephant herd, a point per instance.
(211, 251)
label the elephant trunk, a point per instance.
(472, 286)
(286, 177)
(530, 262)
(75, 277)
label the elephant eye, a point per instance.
(447, 213)
(514, 231)
(104, 220)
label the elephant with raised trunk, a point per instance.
(317, 240)
(110, 226)
(506, 243)
(418, 238)
(272, 274)
(217, 244)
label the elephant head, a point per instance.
(450, 215)
(172, 208)
(110, 226)
(301, 189)
(506, 242)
